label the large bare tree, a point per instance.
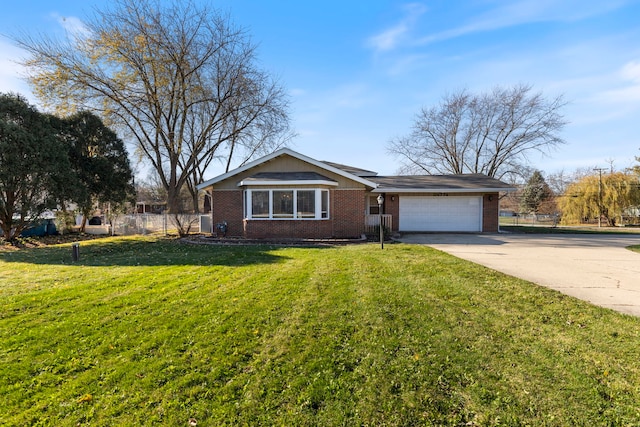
(490, 133)
(178, 78)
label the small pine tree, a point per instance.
(535, 192)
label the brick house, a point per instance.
(287, 194)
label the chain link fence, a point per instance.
(155, 223)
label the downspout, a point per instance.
(210, 194)
(332, 210)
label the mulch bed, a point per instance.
(201, 239)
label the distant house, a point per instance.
(151, 207)
(287, 194)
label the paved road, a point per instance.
(593, 267)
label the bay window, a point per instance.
(260, 204)
(306, 203)
(282, 204)
(287, 204)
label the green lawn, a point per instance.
(147, 331)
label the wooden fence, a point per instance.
(372, 222)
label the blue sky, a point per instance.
(359, 72)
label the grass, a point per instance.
(145, 331)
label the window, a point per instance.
(260, 204)
(306, 201)
(324, 213)
(374, 208)
(283, 204)
(287, 204)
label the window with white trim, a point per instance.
(260, 204)
(287, 204)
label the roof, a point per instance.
(352, 170)
(462, 183)
(290, 178)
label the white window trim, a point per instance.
(247, 201)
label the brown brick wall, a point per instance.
(282, 228)
(346, 218)
(347, 212)
(490, 213)
(227, 206)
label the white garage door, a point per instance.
(450, 213)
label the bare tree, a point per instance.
(490, 133)
(179, 79)
(559, 180)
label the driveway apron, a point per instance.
(593, 267)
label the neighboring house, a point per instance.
(151, 207)
(289, 195)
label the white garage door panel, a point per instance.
(427, 213)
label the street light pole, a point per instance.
(599, 196)
(380, 202)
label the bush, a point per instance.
(65, 221)
(373, 233)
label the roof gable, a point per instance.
(289, 152)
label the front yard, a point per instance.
(147, 331)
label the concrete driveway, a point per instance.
(593, 267)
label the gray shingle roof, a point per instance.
(287, 176)
(439, 183)
(352, 169)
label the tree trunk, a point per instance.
(194, 198)
(173, 201)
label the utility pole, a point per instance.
(599, 196)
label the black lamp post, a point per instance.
(380, 202)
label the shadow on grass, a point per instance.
(138, 252)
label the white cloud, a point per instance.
(389, 38)
(622, 90)
(626, 95)
(11, 72)
(631, 71)
(514, 13)
(72, 25)
(395, 35)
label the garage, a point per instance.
(436, 213)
